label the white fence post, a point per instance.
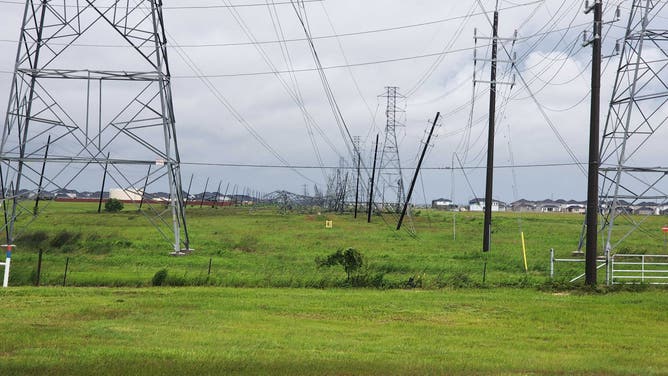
(7, 264)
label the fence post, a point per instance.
(39, 267)
(7, 263)
(551, 263)
(210, 260)
(67, 264)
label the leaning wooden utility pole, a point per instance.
(417, 172)
(592, 178)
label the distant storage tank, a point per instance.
(125, 194)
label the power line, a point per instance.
(331, 36)
(434, 168)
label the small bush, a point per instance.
(459, 280)
(351, 260)
(33, 240)
(113, 205)
(159, 277)
(64, 237)
(416, 281)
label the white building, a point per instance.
(442, 203)
(125, 194)
(478, 205)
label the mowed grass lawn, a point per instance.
(209, 330)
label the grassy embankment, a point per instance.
(264, 248)
(199, 330)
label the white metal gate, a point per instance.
(651, 269)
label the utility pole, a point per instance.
(357, 184)
(417, 172)
(215, 200)
(104, 179)
(592, 176)
(206, 185)
(358, 155)
(489, 180)
(41, 176)
(143, 191)
(373, 177)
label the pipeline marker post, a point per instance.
(524, 253)
(7, 263)
(664, 229)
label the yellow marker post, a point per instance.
(328, 224)
(524, 252)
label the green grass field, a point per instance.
(265, 248)
(205, 330)
(423, 308)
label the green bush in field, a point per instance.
(159, 277)
(64, 238)
(113, 205)
(351, 260)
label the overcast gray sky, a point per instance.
(424, 47)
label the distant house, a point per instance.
(523, 206)
(580, 209)
(478, 205)
(66, 193)
(645, 210)
(442, 204)
(550, 208)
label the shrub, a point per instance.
(64, 237)
(351, 260)
(113, 205)
(34, 240)
(460, 280)
(159, 277)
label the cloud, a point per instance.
(553, 62)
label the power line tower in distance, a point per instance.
(390, 164)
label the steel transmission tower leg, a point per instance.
(58, 73)
(632, 148)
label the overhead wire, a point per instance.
(277, 74)
(278, 29)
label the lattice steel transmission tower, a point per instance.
(390, 164)
(633, 158)
(91, 99)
